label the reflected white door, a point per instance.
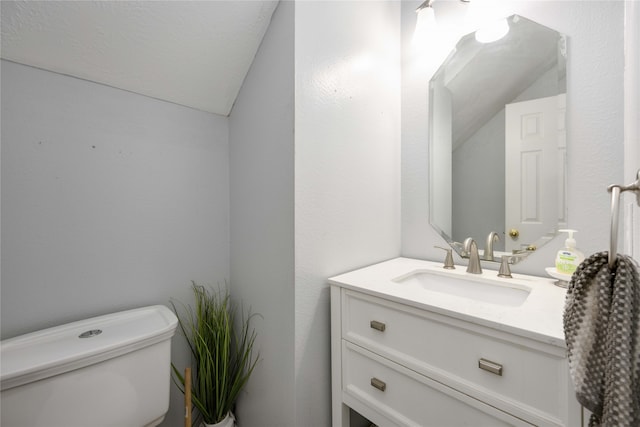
(535, 171)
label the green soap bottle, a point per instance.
(568, 258)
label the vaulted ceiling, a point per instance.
(193, 53)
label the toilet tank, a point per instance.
(111, 370)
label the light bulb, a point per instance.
(493, 31)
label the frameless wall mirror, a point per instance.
(497, 152)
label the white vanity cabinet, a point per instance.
(402, 363)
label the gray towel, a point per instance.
(602, 332)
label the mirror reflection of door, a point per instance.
(467, 136)
(535, 171)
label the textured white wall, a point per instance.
(261, 178)
(110, 200)
(347, 195)
(631, 222)
(594, 121)
(347, 169)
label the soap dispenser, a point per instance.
(568, 258)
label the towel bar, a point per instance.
(615, 191)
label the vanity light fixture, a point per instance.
(426, 19)
(425, 5)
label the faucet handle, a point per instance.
(448, 260)
(505, 270)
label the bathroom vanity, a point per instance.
(413, 344)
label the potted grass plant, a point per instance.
(221, 353)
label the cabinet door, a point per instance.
(534, 383)
(389, 394)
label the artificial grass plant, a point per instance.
(222, 355)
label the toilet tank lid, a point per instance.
(59, 349)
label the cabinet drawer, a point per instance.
(410, 399)
(532, 385)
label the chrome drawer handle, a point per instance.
(380, 385)
(379, 326)
(489, 366)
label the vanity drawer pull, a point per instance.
(379, 326)
(489, 366)
(380, 385)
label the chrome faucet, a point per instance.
(471, 248)
(488, 249)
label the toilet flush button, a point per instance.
(89, 334)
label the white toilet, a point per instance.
(111, 370)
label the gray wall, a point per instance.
(110, 201)
(262, 236)
(478, 166)
(594, 124)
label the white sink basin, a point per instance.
(493, 291)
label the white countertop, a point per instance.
(539, 317)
